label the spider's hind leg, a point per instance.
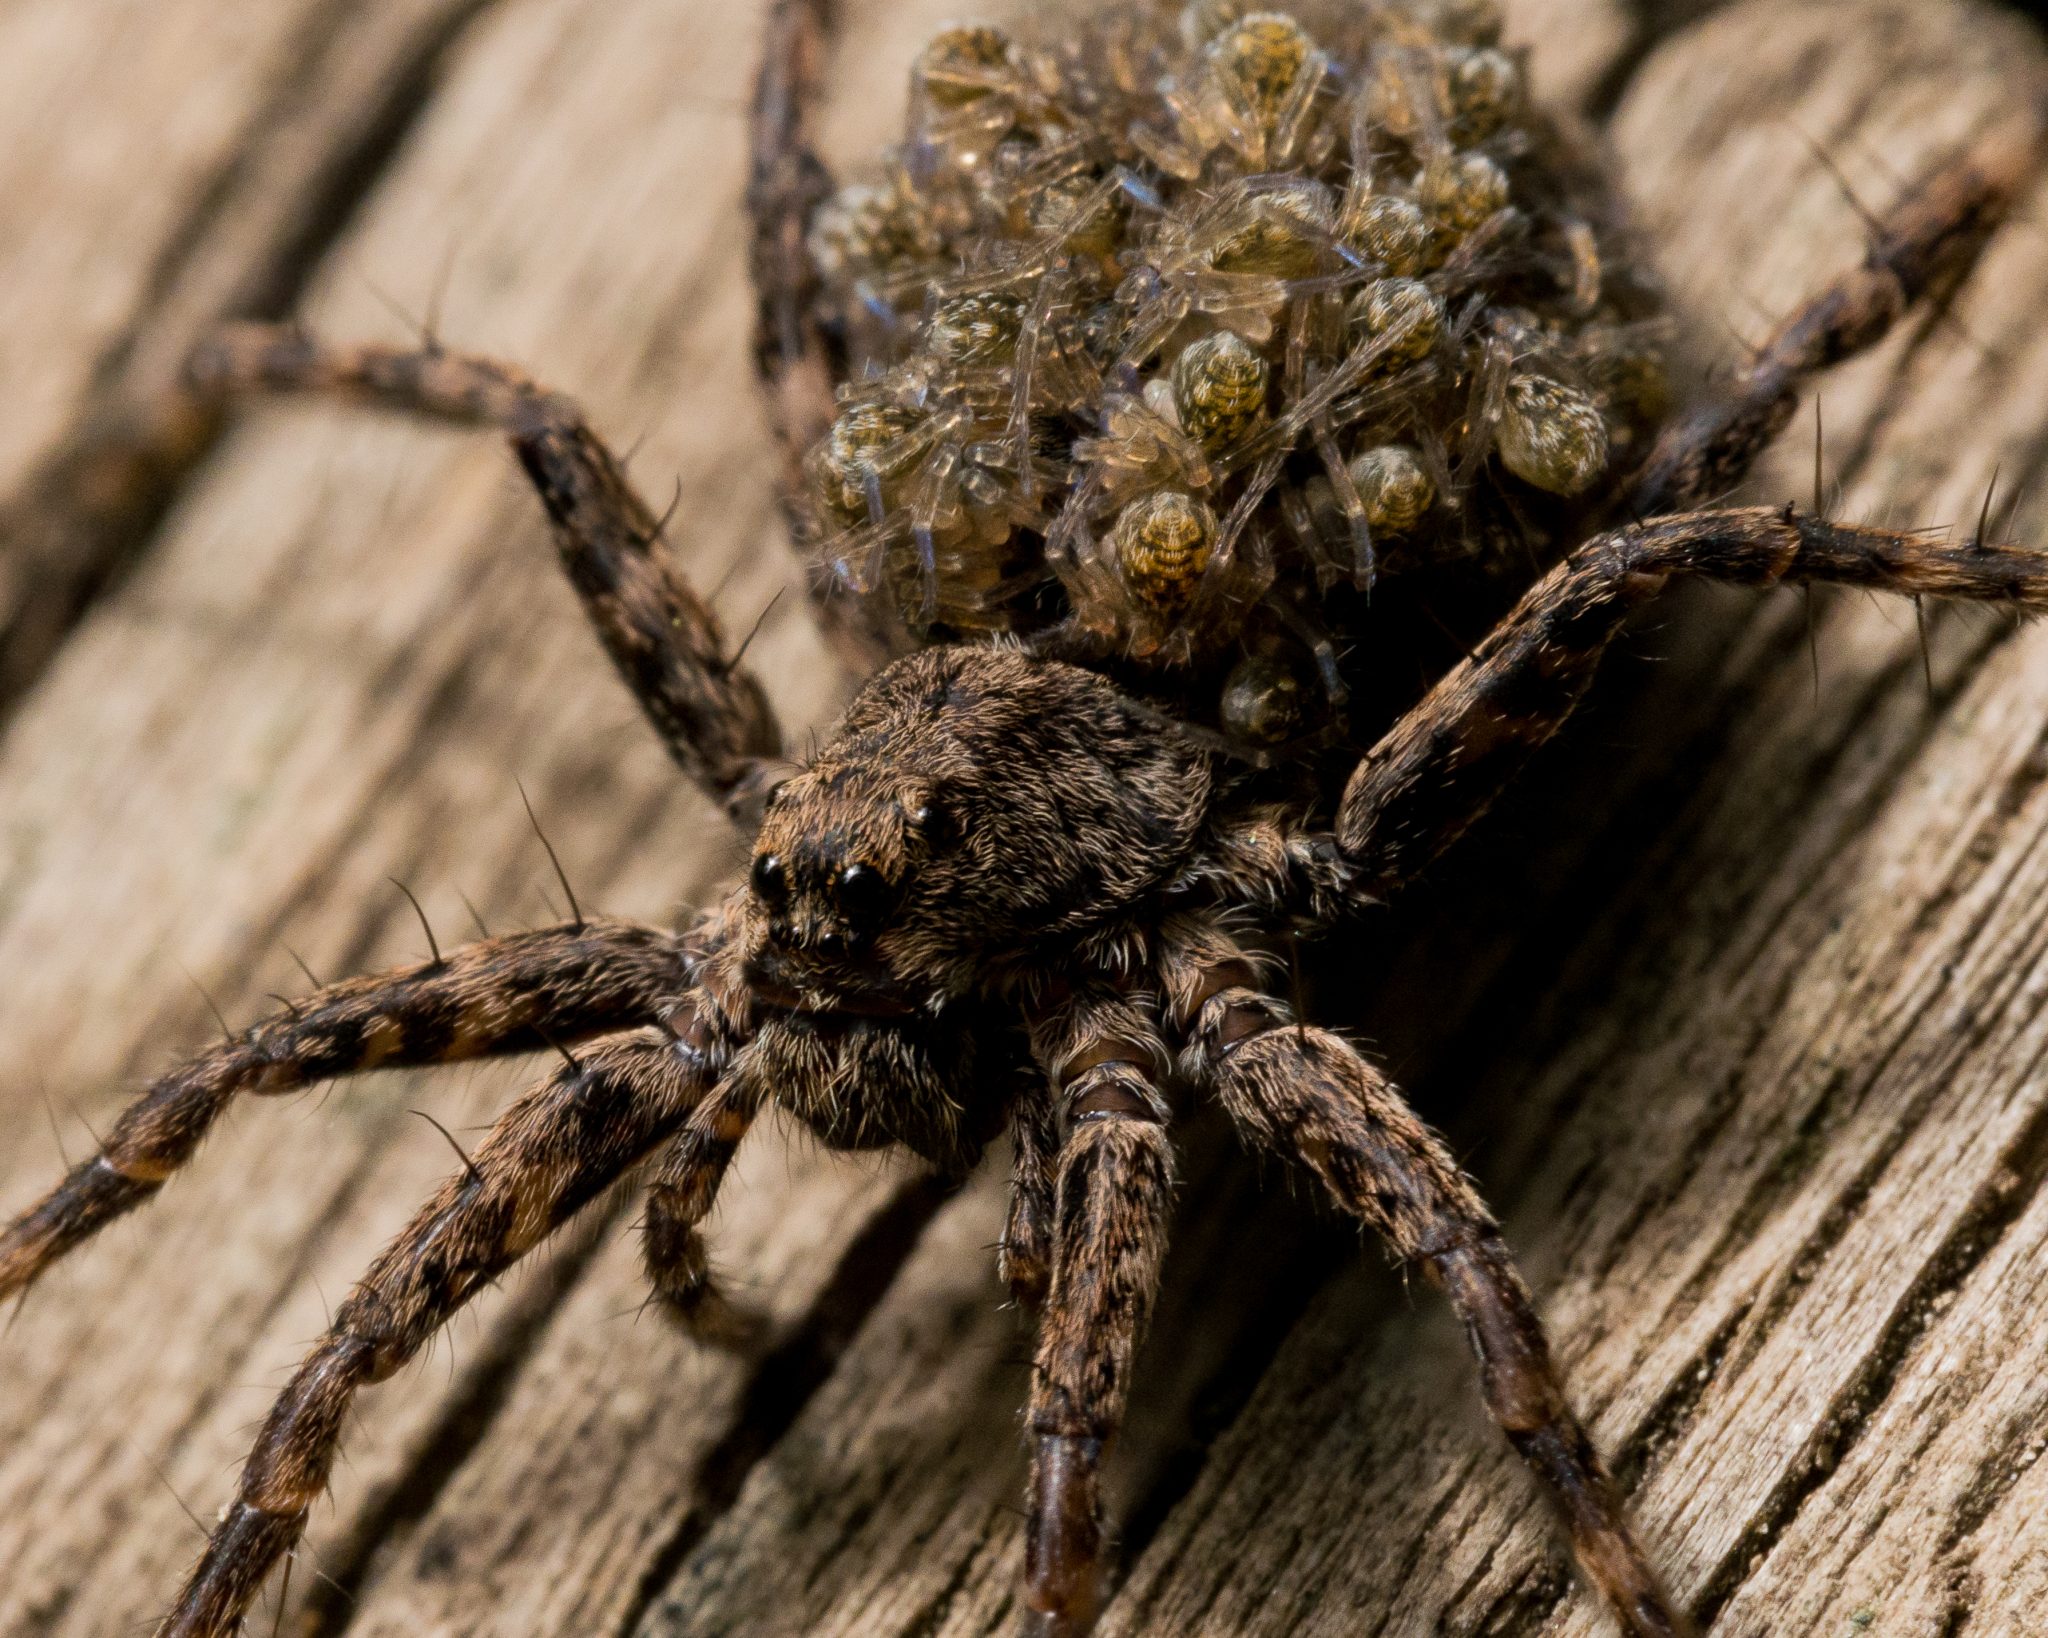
(664, 640)
(514, 994)
(1916, 253)
(786, 183)
(1441, 766)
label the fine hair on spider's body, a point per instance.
(1111, 492)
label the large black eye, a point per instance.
(933, 819)
(770, 880)
(863, 894)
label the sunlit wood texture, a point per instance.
(1734, 1008)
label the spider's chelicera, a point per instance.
(1135, 411)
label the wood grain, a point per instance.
(166, 166)
(1734, 1008)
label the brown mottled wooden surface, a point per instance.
(1736, 1008)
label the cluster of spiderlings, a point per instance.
(1198, 312)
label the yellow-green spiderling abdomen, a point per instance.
(1219, 390)
(1162, 544)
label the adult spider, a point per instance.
(1132, 888)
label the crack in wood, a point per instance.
(2022, 1170)
(87, 515)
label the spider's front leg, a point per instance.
(506, 995)
(551, 1154)
(1308, 1096)
(664, 640)
(1112, 1187)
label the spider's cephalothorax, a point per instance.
(979, 808)
(1157, 351)
(981, 819)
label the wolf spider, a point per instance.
(1015, 889)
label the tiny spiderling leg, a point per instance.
(550, 1154)
(1307, 1096)
(504, 995)
(663, 639)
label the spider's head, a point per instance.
(975, 803)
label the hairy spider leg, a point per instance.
(667, 645)
(797, 358)
(680, 1194)
(1024, 1259)
(786, 182)
(514, 994)
(548, 1156)
(1441, 766)
(1307, 1095)
(1920, 249)
(1112, 1189)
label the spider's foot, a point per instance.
(714, 1319)
(1063, 1544)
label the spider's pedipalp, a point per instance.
(679, 1197)
(1308, 1096)
(1024, 1259)
(504, 995)
(662, 637)
(547, 1157)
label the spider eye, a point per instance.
(770, 880)
(933, 819)
(863, 895)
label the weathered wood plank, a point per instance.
(163, 165)
(347, 646)
(320, 679)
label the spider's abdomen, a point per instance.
(1180, 331)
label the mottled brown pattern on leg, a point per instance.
(1111, 1193)
(505, 995)
(1441, 766)
(551, 1153)
(664, 641)
(1916, 252)
(1307, 1095)
(786, 182)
